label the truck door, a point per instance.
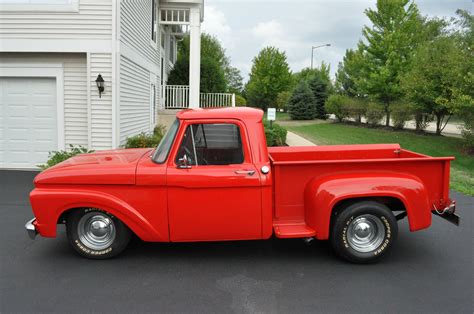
(214, 190)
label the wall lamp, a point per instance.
(100, 84)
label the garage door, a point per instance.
(28, 121)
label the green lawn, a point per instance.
(462, 169)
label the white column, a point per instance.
(194, 57)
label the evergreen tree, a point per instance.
(301, 105)
(320, 86)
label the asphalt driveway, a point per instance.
(428, 271)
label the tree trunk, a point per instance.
(418, 121)
(439, 120)
(387, 113)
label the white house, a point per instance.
(52, 52)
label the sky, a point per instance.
(244, 27)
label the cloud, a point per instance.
(273, 33)
(268, 30)
(215, 23)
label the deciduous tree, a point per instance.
(387, 46)
(215, 65)
(434, 77)
(269, 76)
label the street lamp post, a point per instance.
(312, 51)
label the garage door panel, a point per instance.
(41, 156)
(29, 121)
(19, 156)
(17, 111)
(18, 134)
(44, 134)
(43, 111)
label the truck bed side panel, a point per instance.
(292, 174)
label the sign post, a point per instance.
(271, 115)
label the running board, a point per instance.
(293, 231)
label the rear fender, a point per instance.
(322, 194)
(49, 204)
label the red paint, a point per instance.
(160, 202)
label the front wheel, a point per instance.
(96, 234)
(363, 232)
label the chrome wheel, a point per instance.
(96, 231)
(365, 233)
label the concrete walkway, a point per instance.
(453, 129)
(293, 139)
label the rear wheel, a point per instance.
(96, 234)
(363, 232)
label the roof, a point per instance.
(240, 113)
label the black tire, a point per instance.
(114, 246)
(351, 220)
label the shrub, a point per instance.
(282, 100)
(240, 101)
(302, 104)
(280, 134)
(339, 106)
(374, 114)
(357, 108)
(55, 157)
(468, 129)
(468, 136)
(270, 136)
(422, 120)
(401, 113)
(276, 135)
(144, 140)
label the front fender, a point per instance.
(48, 205)
(322, 194)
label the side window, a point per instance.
(154, 20)
(212, 144)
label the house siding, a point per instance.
(135, 28)
(139, 65)
(75, 100)
(75, 90)
(134, 99)
(93, 21)
(101, 107)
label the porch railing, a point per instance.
(177, 97)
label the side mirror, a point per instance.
(183, 163)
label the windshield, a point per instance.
(164, 147)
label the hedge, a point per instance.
(276, 135)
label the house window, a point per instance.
(153, 104)
(162, 39)
(172, 50)
(154, 20)
(162, 70)
(40, 5)
(212, 144)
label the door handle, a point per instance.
(248, 172)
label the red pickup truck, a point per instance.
(212, 178)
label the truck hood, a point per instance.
(103, 167)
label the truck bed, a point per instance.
(295, 167)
